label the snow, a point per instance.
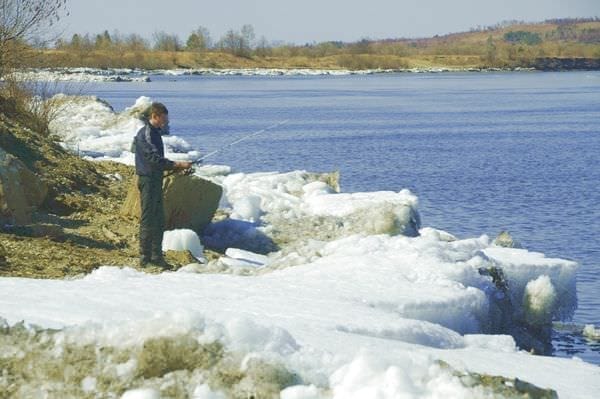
(360, 302)
(247, 256)
(82, 74)
(142, 393)
(539, 299)
(373, 377)
(140, 76)
(591, 332)
(182, 240)
(561, 275)
(368, 301)
(204, 392)
(301, 392)
(90, 127)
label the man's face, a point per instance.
(159, 121)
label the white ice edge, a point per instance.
(85, 74)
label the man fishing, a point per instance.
(150, 163)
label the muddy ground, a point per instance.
(79, 226)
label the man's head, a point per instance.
(159, 117)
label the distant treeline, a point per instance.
(507, 44)
(554, 21)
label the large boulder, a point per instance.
(21, 190)
(190, 202)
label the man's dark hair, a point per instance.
(158, 109)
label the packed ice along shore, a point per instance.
(84, 74)
(320, 294)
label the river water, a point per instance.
(485, 152)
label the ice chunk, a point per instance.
(247, 208)
(181, 240)
(368, 377)
(498, 343)
(247, 256)
(301, 392)
(204, 392)
(521, 266)
(247, 335)
(141, 393)
(88, 384)
(539, 301)
(591, 332)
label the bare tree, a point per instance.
(230, 42)
(135, 42)
(166, 42)
(238, 43)
(23, 20)
(248, 36)
(199, 40)
(263, 48)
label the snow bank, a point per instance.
(370, 377)
(81, 75)
(361, 315)
(297, 206)
(267, 72)
(90, 127)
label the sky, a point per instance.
(308, 21)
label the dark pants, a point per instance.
(152, 218)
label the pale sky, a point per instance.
(313, 20)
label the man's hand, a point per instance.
(182, 165)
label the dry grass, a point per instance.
(465, 49)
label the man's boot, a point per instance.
(145, 261)
(145, 247)
(158, 259)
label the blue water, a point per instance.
(484, 152)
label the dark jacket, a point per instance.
(149, 152)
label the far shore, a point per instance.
(86, 74)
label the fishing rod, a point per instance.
(199, 160)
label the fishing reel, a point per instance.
(190, 171)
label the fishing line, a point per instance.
(239, 140)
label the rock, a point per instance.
(113, 237)
(190, 202)
(21, 191)
(505, 240)
(566, 64)
(41, 230)
(332, 179)
(180, 257)
(47, 230)
(3, 254)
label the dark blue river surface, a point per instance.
(485, 152)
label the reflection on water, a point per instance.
(568, 340)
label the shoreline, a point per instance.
(85, 74)
(138, 75)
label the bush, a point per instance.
(364, 61)
(29, 103)
(523, 37)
